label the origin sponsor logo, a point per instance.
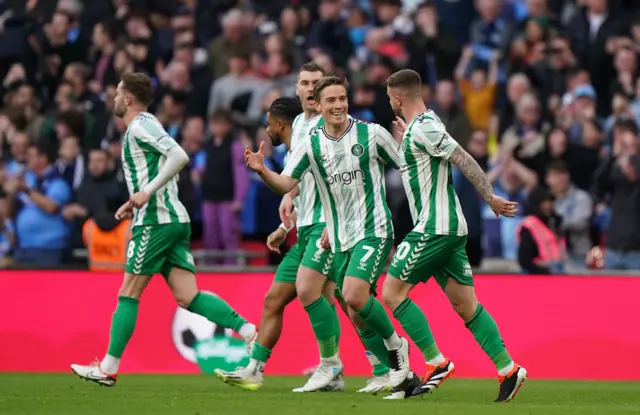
(346, 178)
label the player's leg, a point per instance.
(459, 289)
(315, 265)
(417, 258)
(366, 262)
(144, 259)
(374, 349)
(280, 294)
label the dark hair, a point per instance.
(287, 108)
(558, 166)
(74, 120)
(312, 67)
(139, 85)
(328, 81)
(626, 124)
(45, 149)
(405, 78)
(221, 115)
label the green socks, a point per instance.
(259, 353)
(415, 324)
(375, 345)
(122, 324)
(322, 318)
(336, 324)
(486, 333)
(216, 310)
(376, 317)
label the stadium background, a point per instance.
(521, 83)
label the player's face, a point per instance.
(304, 89)
(334, 104)
(119, 102)
(275, 129)
(395, 101)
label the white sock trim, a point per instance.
(505, 370)
(437, 361)
(394, 342)
(247, 331)
(109, 365)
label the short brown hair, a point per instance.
(328, 81)
(139, 85)
(312, 67)
(558, 166)
(405, 78)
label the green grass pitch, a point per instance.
(49, 394)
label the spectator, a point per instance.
(453, 117)
(77, 74)
(224, 186)
(172, 112)
(490, 33)
(479, 92)
(7, 231)
(40, 229)
(574, 207)
(329, 34)
(541, 248)
(71, 164)
(432, 36)
(526, 137)
(589, 31)
(235, 39)
(517, 86)
(19, 145)
(238, 89)
(617, 179)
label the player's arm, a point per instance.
(387, 148)
(279, 183)
(473, 172)
(150, 136)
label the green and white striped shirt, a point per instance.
(434, 205)
(307, 205)
(144, 151)
(349, 174)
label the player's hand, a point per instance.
(254, 161)
(286, 207)
(137, 200)
(503, 207)
(125, 211)
(324, 240)
(276, 239)
(399, 127)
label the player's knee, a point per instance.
(273, 303)
(392, 298)
(183, 299)
(307, 294)
(355, 299)
(465, 308)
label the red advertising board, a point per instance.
(556, 326)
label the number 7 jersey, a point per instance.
(349, 173)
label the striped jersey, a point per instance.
(307, 205)
(144, 151)
(426, 177)
(349, 175)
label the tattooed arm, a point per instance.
(473, 172)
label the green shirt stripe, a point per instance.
(362, 131)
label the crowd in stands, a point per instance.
(545, 94)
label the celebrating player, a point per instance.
(346, 158)
(303, 271)
(161, 229)
(436, 246)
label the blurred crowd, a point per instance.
(545, 94)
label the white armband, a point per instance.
(285, 229)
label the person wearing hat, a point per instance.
(541, 249)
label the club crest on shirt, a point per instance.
(403, 145)
(313, 131)
(357, 150)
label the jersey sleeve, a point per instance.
(297, 163)
(387, 148)
(434, 139)
(151, 136)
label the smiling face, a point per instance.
(334, 104)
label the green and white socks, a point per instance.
(485, 331)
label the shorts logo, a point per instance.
(357, 150)
(413, 258)
(467, 270)
(317, 256)
(189, 258)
